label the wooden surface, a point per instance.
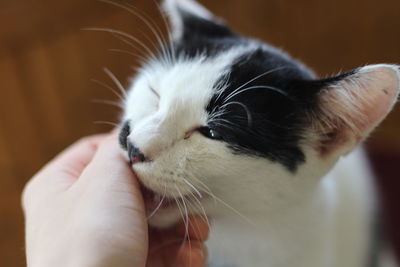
(47, 63)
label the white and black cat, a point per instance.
(230, 127)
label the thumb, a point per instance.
(109, 171)
(110, 199)
(108, 163)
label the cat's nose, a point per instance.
(123, 135)
(135, 155)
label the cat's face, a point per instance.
(220, 123)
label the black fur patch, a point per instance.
(270, 117)
(264, 118)
(204, 37)
(123, 135)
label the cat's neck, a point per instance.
(309, 232)
(274, 236)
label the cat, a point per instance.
(234, 129)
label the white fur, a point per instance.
(264, 215)
(325, 226)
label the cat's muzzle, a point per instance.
(135, 155)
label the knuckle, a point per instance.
(85, 140)
(91, 140)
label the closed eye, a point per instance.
(154, 92)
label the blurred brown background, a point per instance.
(47, 63)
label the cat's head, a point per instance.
(219, 122)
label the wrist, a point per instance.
(87, 261)
(91, 255)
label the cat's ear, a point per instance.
(351, 105)
(190, 19)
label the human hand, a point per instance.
(85, 209)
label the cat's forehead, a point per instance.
(190, 82)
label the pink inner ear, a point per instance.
(353, 107)
(383, 90)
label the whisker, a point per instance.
(192, 186)
(159, 205)
(183, 219)
(116, 81)
(198, 202)
(169, 53)
(167, 26)
(225, 123)
(223, 86)
(185, 209)
(204, 216)
(156, 209)
(205, 187)
(126, 35)
(255, 78)
(108, 102)
(131, 9)
(248, 113)
(275, 89)
(212, 195)
(231, 125)
(231, 208)
(107, 123)
(133, 45)
(139, 57)
(217, 113)
(186, 223)
(109, 88)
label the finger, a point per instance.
(80, 146)
(58, 174)
(159, 240)
(179, 253)
(69, 164)
(77, 156)
(109, 179)
(198, 228)
(109, 171)
(192, 254)
(108, 160)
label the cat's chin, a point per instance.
(162, 212)
(164, 220)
